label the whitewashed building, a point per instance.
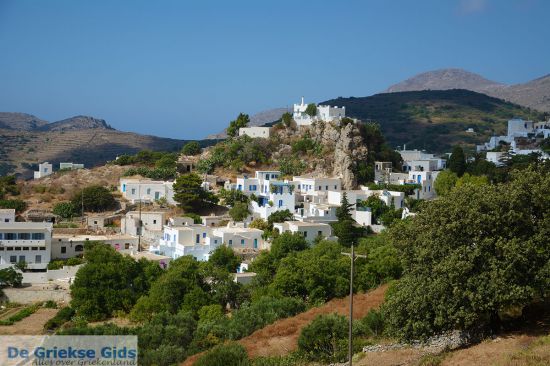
(315, 189)
(28, 242)
(64, 246)
(325, 113)
(70, 166)
(254, 132)
(272, 194)
(309, 230)
(44, 169)
(7, 215)
(146, 190)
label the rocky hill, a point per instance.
(26, 140)
(435, 120)
(20, 121)
(534, 94)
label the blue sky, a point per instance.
(184, 69)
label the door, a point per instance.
(255, 243)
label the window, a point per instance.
(255, 243)
(267, 176)
(133, 191)
(280, 203)
(79, 248)
(42, 248)
(13, 259)
(6, 220)
(10, 236)
(215, 241)
(38, 259)
(154, 221)
(1, 249)
(326, 188)
(148, 190)
(298, 186)
(305, 234)
(22, 258)
(242, 242)
(9, 248)
(126, 245)
(335, 187)
(26, 248)
(1, 236)
(197, 239)
(95, 222)
(204, 235)
(38, 236)
(34, 248)
(63, 250)
(230, 242)
(319, 233)
(320, 188)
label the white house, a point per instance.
(195, 240)
(146, 190)
(152, 224)
(309, 187)
(272, 194)
(240, 238)
(495, 157)
(28, 242)
(65, 246)
(70, 166)
(254, 132)
(310, 230)
(325, 113)
(7, 215)
(44, 169)
(316, 212)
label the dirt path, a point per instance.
(281, 337)
(31, 325)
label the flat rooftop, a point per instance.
(81, 237)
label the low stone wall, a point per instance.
(33, 294)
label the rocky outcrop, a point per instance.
(345, 144)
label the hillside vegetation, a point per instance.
(435, 120)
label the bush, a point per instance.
(371, 325)
(94, 198)
(325, 338)
(62, 316)
(18, 205)
(230, 354)
(50, 304)
(22, 314)
(191, 148)
(65, 209)
(197, 219)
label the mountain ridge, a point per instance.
(533, 94)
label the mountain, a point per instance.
(534, 94)
(26, 140)
(258, 119)
(77, 123)
(435, 120)
(20, 121)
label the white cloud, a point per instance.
(472, 6)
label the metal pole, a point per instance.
(139, 220)
(350, 335)
(350, 332)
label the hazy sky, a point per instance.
(184, 69)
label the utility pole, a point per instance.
(139, 219)
(350, 334)
(82, 205)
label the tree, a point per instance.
(325, 338)
(472, 258)
(287, 243)
(224, 257)
(231, 196)
(445, 182)
(95, 199)
(345, 228)
(191, 148)
(457, 161)
(241, 121)
(472, 179)
(311, 110)
(65, 209)
(279, 216)
(108, 282)
(344, 211)
(10, 277)
(189, 193)
(229, 354)
(239, 212)
(286, 118)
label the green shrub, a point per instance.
(371, 325)
(50, 304)
(230, 354)
(18, 205)
(62, 316)
(325, 338)
(20, 315)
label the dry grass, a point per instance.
(281, 337)
(31, 325)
